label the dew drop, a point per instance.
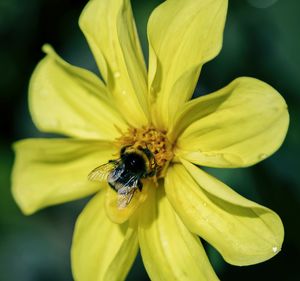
(117, 74)
(262, 156)
(275, 249)
(54, 123)
(44, 93)
(204, 204)
(123, 92)
(165, 243)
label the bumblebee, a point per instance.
(124, 174)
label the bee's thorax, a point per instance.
(134, 163)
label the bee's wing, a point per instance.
(102, 172)
(116, 173)
(126, 192)
(124, 199)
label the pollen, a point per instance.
(154, 140)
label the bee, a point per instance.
(124, 174)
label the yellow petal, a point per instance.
(52, 171)
(111, 33)
(183, 35)
(242, 231)
(169, 250)
(118, 213)
(102, 250)
(71, 101)
(237, 126)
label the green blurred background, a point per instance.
(262, 39)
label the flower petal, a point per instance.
(242, 231)
(111, 33)
(169, 250)
(71, 101)
(183, 35)
(52, 171)
(237, 126)
(120, 214)
(102, 250)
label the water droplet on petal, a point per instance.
(275, 249)
(117, 74)
(204, 204)
(44, 93)
(123, 92)
(262, 156)
(54, 123)
(165, 243)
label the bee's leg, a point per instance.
(112, 186)
(140, 185)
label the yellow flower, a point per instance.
(237, 126)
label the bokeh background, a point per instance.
(262, 39)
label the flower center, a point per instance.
(154, 140)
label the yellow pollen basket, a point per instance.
(152, 139)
